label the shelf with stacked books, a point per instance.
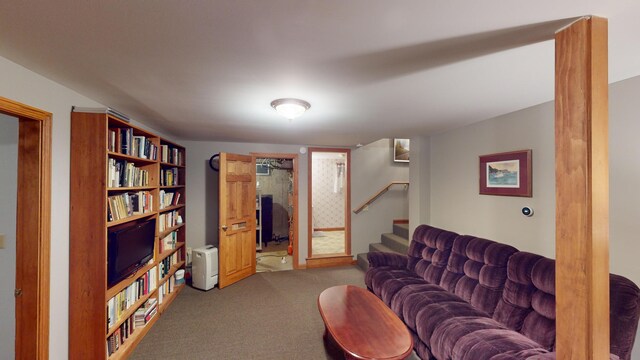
(120, 181)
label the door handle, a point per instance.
(224, 227)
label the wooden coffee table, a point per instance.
(362, 325)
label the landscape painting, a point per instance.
(507, 174)
(503, 174)
(401, 150)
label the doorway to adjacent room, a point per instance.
(276, 212)
(329, 203)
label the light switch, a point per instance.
(1, 241)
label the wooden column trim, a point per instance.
(582, 191)
(33, 229)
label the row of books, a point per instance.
(169, 198)
(123, 141)
(169, 177)
(167, 220)
(166, 288)
(145, 312)
(169, 242)
(171, 155)
(129, 204)
(115, 340)
(164, 267)
(122, 173)
(118, 305)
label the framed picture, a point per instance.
(401, 150)
(262, 169)
(507, 174)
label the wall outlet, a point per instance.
(1, 241)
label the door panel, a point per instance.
(237, 218)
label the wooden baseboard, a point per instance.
(401, 221)
(330, 261)
(330, 229)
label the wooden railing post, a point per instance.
(582, 191)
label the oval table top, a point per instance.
(362, 325)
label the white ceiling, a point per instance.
(208, 70)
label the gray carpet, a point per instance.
(271, 315)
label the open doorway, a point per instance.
(276, 212)
(329, 203)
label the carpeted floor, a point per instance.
(271, 315)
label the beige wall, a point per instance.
(372, 168)
(455, 202)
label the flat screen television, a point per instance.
(129, 247)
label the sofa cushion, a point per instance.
(397, 302)
(477, 271)
(540, 323)
(430, 316)
(415, 302)
(515, 304)
(487, 344)
(379, 278)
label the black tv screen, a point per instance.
(129, 247)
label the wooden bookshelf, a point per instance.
(97, 161)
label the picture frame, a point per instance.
(401, 150)
(263, 170)
(506, 174)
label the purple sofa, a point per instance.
(464, 297)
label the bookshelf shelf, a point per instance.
(170, 252)
(135, 188)
(169, 230)
(129, 312)
(131, 158)
(112, 291)
(169, 298)
(133, 340)
(163, 164)
(130, 218)
(105, 152)
(172, 271)
(171, 187)
(171, 208)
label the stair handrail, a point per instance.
(378, 194)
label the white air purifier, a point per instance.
(204, 267)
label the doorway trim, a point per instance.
(330, 259)
(294, 157)
(33, 229)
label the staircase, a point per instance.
(396, 242)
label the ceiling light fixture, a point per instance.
(290, 108)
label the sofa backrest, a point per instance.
(429, 252)
(477, 271)
(528, 303)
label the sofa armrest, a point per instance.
(377, 258)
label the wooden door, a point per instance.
(237, 218)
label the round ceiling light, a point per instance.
(290, 108)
